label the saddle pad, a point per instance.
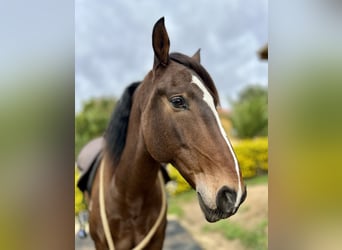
(85, 182)
(88, 154)
(88, 161)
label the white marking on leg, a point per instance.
(210, 101)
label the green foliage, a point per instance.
(79, 198)
(249, 113)
(252, 155)
(92, 121)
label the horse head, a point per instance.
(180, 125)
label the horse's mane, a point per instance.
(115, 135)
(199, 70)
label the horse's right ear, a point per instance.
(160, 43)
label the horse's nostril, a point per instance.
(225, 199)
(229, 198)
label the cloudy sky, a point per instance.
(114, 48)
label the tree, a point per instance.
(92, 121)
(249, 115)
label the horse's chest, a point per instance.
(129, 233)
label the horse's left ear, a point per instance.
(197, 56)
(160, 43)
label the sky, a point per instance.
(113, 45)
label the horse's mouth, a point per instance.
(213, 215)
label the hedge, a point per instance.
(252, 155)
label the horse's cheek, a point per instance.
(153, 140)
(157, 133)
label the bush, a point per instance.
(92, 121)
(252, 155)
(249, 114)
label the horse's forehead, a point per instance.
(178, 74)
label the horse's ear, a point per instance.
(197, 56)
(160, 43)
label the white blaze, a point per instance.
(210, 101)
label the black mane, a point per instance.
(115, 135)
(199, 70)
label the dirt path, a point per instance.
(252, 212)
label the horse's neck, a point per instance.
(135, 178)
(136, 175)
(134, 199)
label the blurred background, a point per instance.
(38, 104)
(113, 48)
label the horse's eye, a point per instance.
(178, 102)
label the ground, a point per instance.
(249, 224)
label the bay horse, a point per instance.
(169, 117)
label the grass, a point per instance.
(255, 239)
(259, 179)
(175, 202)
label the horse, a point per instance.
(169, 117)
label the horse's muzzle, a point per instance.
(225, 202)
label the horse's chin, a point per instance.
(212, 215)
